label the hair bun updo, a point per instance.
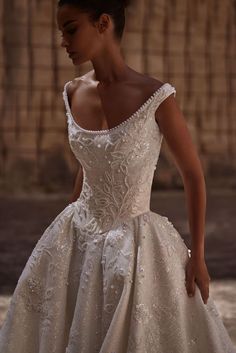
(114, 4)
(94, 8)
(125, 3)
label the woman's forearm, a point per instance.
(195, 189)
(78, 185)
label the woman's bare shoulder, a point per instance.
(74, 86)
(149, 82)
(77, 82)
(152, 85)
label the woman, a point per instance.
(109, 275)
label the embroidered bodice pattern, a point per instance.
(118, 165)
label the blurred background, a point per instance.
(190, 44)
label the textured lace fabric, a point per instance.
(124, 159)
(107, 275)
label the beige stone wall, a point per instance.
(190, 44)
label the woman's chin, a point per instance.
(75, 60)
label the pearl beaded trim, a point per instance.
(115, 128)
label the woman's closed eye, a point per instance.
(70, 31)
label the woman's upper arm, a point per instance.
(173, 126)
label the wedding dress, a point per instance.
(108, 274)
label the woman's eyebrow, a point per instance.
(67, 22)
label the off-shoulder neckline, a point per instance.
(114, 128)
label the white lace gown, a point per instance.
(108, 274)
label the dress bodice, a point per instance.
(118, 164)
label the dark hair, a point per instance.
(114, 8)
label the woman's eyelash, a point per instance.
(70, 31)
